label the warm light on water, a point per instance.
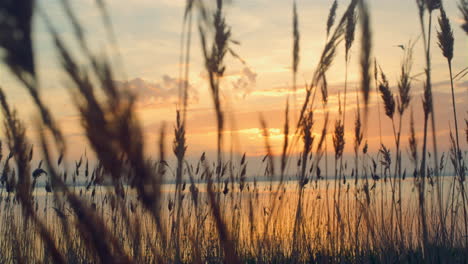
(264, 213)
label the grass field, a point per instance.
(120, 206)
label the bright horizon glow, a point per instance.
(148, 37)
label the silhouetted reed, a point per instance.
(463, 7)
(115, 204)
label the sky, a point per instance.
(147, 58)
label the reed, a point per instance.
(446, 44)
(463, 7)
(115, 204)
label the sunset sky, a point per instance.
(148, 37)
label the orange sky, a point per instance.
(148, 35)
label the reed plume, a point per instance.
(15, 132)
(338, 139)
(404, 82)
(17, 20)
(214, 64)
(366, 49)
(387, 96)
(351, 18)
(331, 16)
(326, 59)
(296, 50)
(446, 44)
(445, 35)
(463, 7)
(296, 39)
(431, 6)
(306, 133)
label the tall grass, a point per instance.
(118, 207)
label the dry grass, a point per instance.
(118, 209)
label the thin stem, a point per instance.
(422, 187)
(458, 151)
(454, 110)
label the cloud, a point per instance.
(281, 91)
(163, 93)
(444, 86)
(245, 82)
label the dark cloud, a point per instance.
(158, 94)
(245, 82)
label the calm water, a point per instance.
(266, 209)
